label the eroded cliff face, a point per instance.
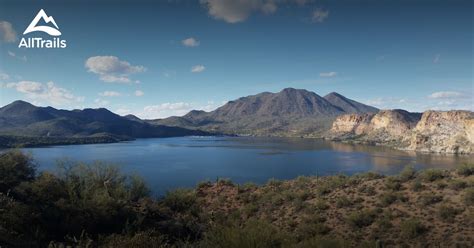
(351, 123)
(432, 131)
(446, 132)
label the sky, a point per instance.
(156, 59)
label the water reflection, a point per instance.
(182, 162)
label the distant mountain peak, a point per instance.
(348, 105)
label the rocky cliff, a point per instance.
(447, 132)
(432, 131)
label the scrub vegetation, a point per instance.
(95, 205)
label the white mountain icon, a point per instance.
(47, 19)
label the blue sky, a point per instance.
(161, 58)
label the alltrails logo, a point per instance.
(38, 42)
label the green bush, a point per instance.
(312, 227)
(393, 183)
(407, 173)
(15, 168)
(466, 170)
(180, 200)
(457, 184)
(417, 186)
(431, 175)
(252, 234)
(468, 197)
(388, 198)
(362, 218)
(343, 201)
(429, 199)
(448, 213)
(412, 228)
(321, 205)
(139, 240)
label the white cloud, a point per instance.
(12, 54)
(190, 42)
(101, 102)
(49, 92)
(110, 93)
(436, 58)
(231, 11)
(447, 95)
(139, 93)
(198, 68)
(328, 74)
(319, 15)
(269, 8)
(235, 11)
(4, 77)
(170, 109)
(165, 110)
(7, 33)
(112, 70)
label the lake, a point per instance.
(169, 163)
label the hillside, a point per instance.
(22, 121)
(290, 112)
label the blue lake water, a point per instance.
(169, 163)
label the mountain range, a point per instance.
(22, 119)
(290, 112)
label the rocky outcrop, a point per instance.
(432, 131)
(446, 132)
(351, 124)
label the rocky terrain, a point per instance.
(432, 131)
(448, 132)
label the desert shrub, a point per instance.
(323, 189)
(429, 199)
(321, 205)
(323, 242)
(311, 227)
(430, 175)
(417, 186)
(343, 201)
(393, 183)
(369, 175)
(466, 170)
(203, 185)
(252, 234)
(384, 222)
(250, 209)
(140, 240)
(412, 228)
(457, 184)
(388, 198)
(249, 185)
(448, 213)
(369, 190)
(15, 168)
(302, 181)
(468, 196)
(180, 200)
(362, 218)
(225, 182)
(407, 173)
(303, 195)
